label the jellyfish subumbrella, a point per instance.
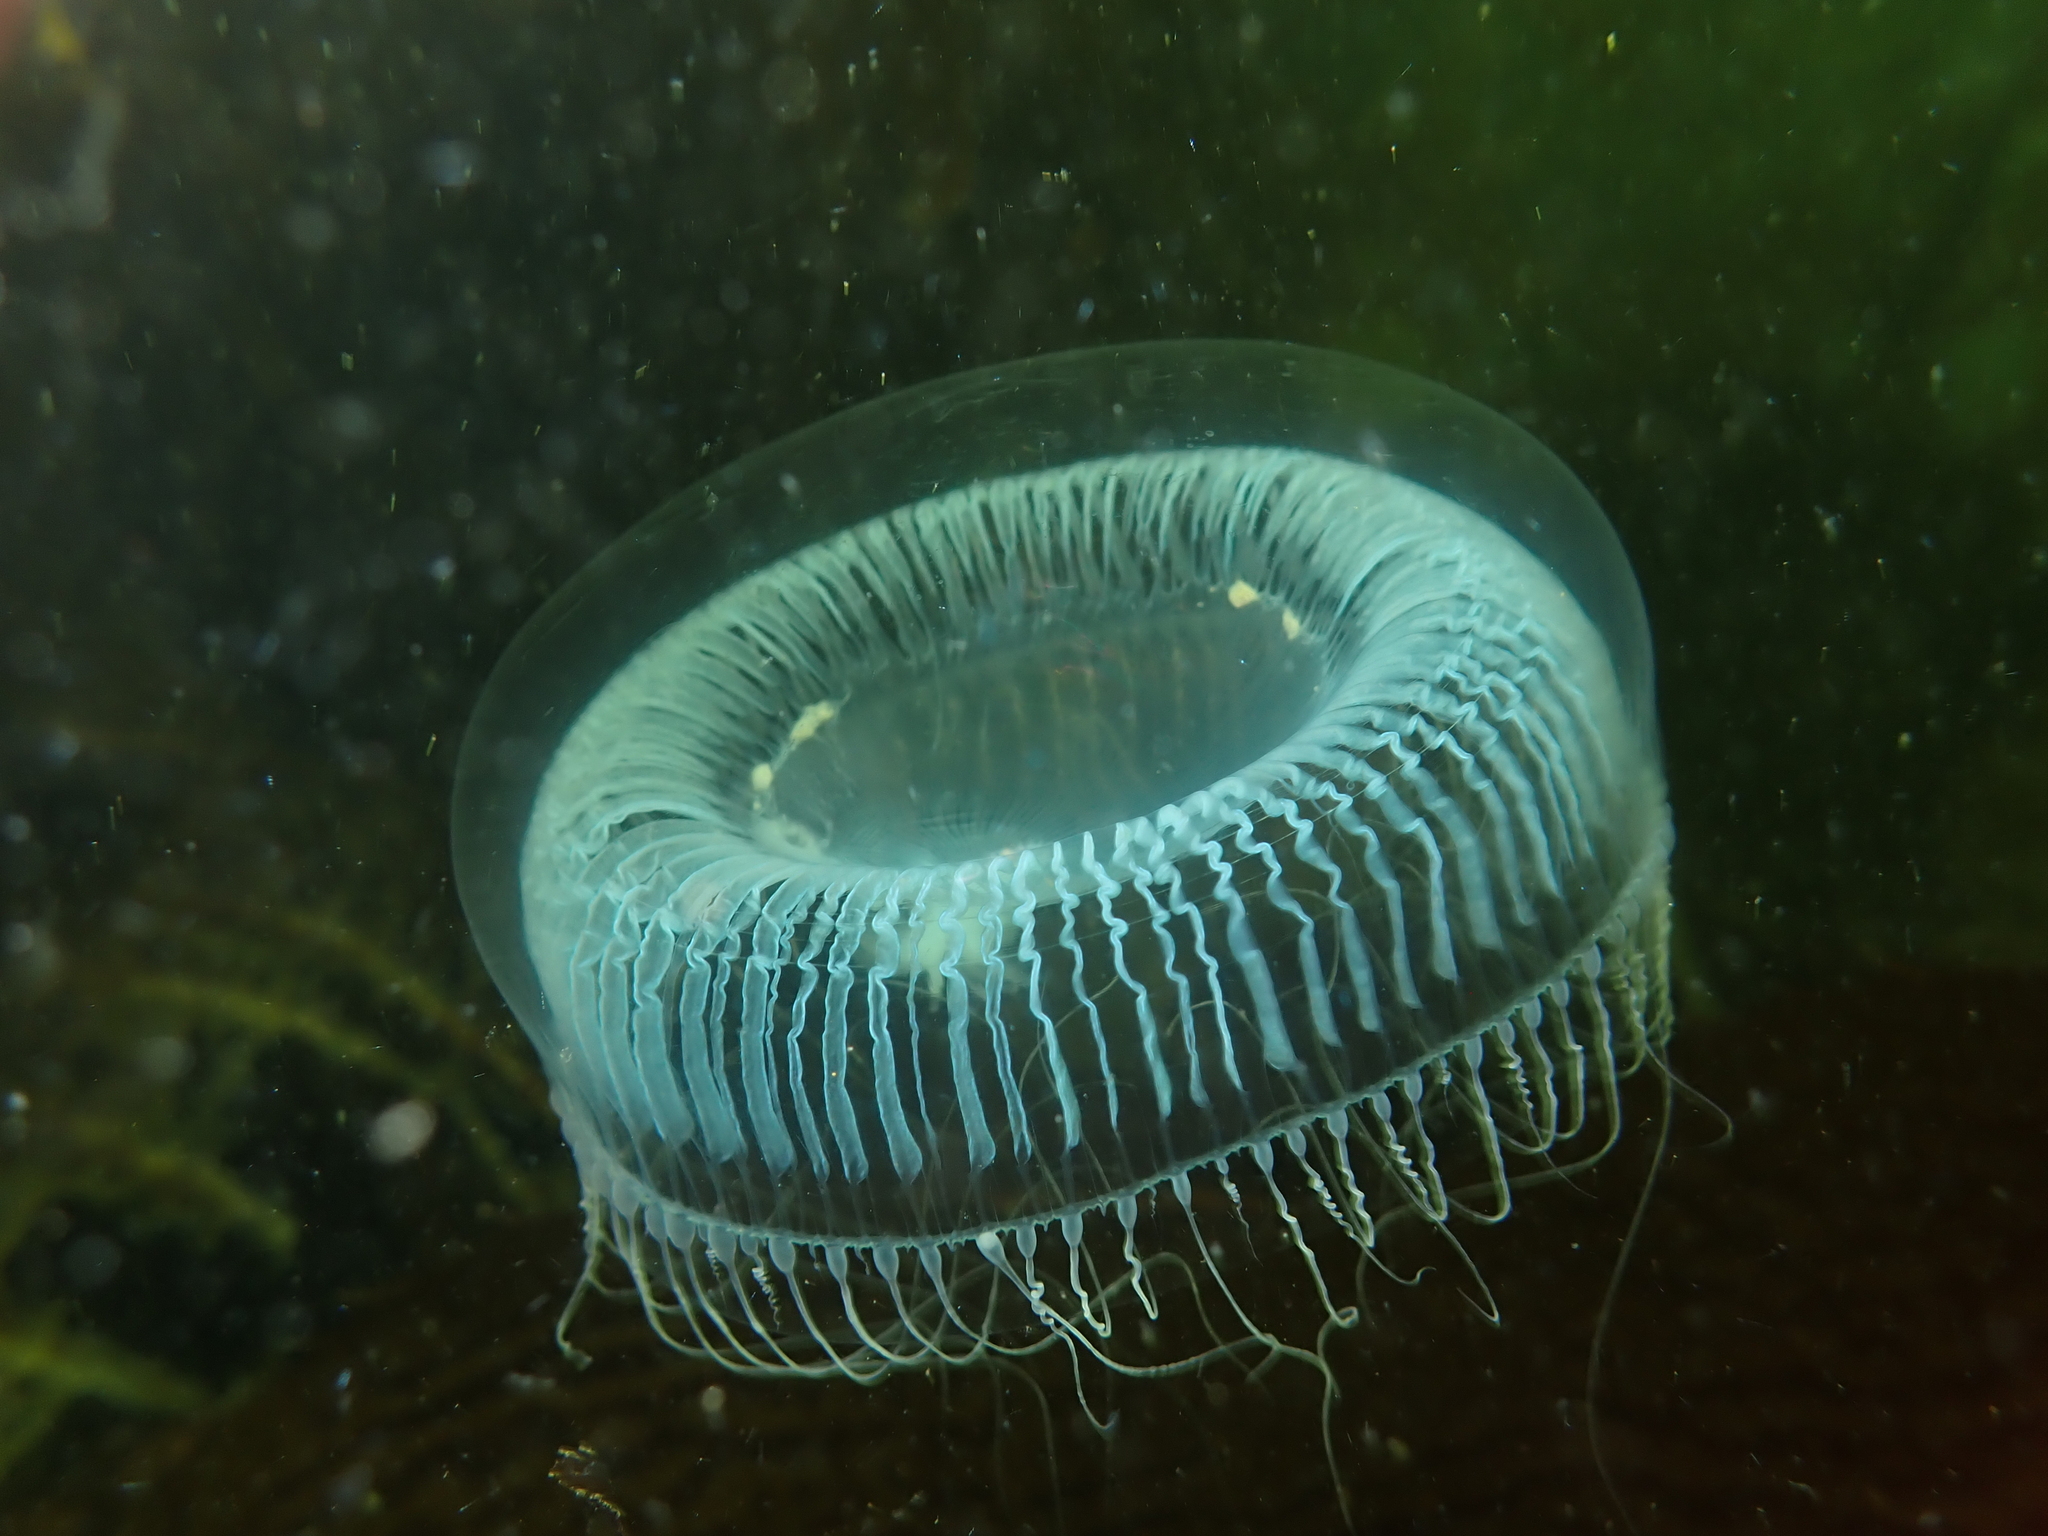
(955, 860)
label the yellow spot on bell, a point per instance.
(1242, 594)
(811, 721)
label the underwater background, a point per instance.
(336, 334)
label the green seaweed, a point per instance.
(153, 1030)
(158, 1155)
(46, 1365)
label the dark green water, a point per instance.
(398, 312)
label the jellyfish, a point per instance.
(958, 859)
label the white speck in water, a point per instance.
(163, 1058)
(353, 1491)
(311, 227)
(451, 162)
(401, 1131)
(712, 1401)
(789, 88)
(91, 1261)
